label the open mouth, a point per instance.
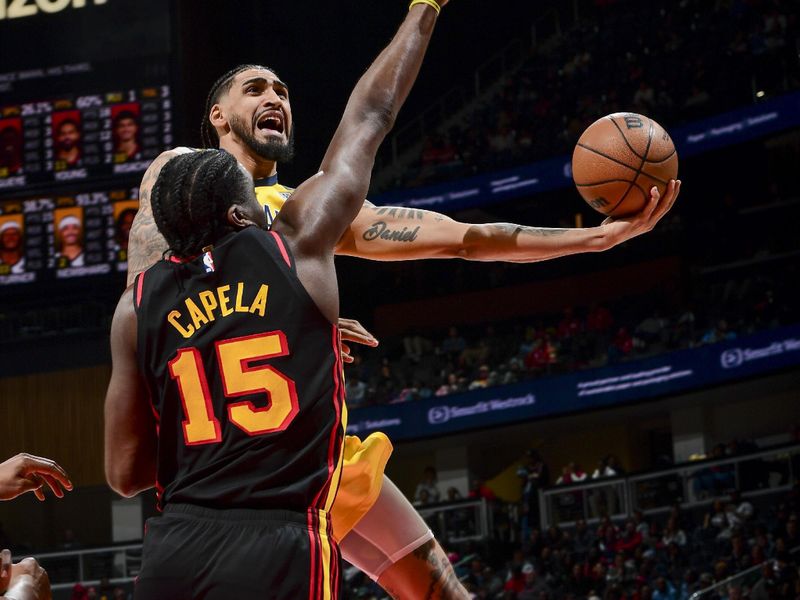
(271, 121)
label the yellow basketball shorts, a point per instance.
(363, 464)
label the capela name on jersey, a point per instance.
(218, 303)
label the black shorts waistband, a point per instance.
(237, 514)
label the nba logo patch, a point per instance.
(208, 261)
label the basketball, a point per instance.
(618, 159)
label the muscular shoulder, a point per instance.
(155, 167)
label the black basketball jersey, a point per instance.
(245, 378)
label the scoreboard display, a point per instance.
(58, 237)
(85, 105)
(75, 138)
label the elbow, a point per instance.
(123, 486)
(128, 481)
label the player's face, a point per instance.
(126, 129)
(11, 239)
(260, 115)
(68, 136)
(9, 141)
(71, 234)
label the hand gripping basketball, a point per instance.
(623, 229)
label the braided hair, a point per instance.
(222, 86)
(191, 197)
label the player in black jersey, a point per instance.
(232, 339)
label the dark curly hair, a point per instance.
(221, 86)
(191, 196)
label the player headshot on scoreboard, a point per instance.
(125, 132)
(10, 146)
(12, 245)
(124, 213)
(68, 237)
(67, 139)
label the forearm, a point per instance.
(424, 573)
(383, 89)
(128, 471)
(342, 182)
(522, 244)
(391, 233)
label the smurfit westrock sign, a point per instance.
(734, 358)
(438, 415)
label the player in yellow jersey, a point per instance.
(248, 114)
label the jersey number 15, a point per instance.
(239, 378)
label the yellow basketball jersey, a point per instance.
(363, 462)
(272, 195)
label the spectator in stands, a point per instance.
(416, 347)
(664, 590)
(451, 386)
(571, 473)
(604, 500)
(482, 380)
(453, 345)
(532, 586)
(535, 476)
(716, 521)
(356, 391)
(479, 489)
(583, 540)
(673, 534)
(429, 486)
(630, 539)
(621, 346)
(644, 100)
(739, 510)
(719, 333)
(689, 584)
(791, 538)
(69, 542)
(79, 592)
(653, 329)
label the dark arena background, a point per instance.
(623, 424)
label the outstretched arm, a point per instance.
(322, 208)
(391, 233)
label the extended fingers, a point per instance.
(346, 357)
(54, 484)
(652, 204)
(36, 484)
(353, 331)
(673, 189)
(49, 469)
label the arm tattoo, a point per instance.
(381, 231)
(145, 244)
(443, 581)
(401, 213)
(514, 230)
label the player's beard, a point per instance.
(272, 149)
